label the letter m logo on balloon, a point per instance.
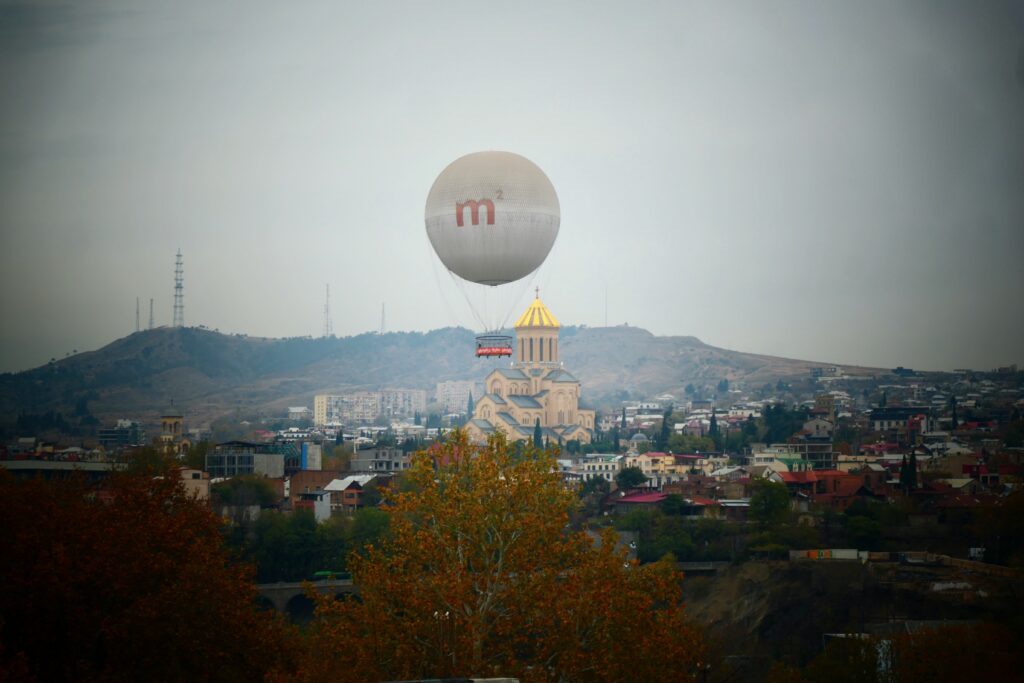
(474, 211)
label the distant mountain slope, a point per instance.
(208, 374)
(609, 359)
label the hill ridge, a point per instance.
(209, 373)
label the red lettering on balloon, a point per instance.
(474, 211)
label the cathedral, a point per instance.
(535, 387)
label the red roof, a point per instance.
(643, 498)
(798, 477)
(701, 500)
(846, 487)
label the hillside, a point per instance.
(208, 374)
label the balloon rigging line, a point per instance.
(453, 318)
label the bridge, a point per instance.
(291, 600)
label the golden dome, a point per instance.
(537, 315)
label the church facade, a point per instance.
(535, 387)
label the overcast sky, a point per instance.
(835, 181)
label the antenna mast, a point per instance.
(150, 313)
(179, 296)
(328, 328)
(382, 318)
(136, 314)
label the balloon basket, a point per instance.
(493, 346)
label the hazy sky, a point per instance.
(837, 181)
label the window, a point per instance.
(531, 348)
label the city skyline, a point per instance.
(816, 181)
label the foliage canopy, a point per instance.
(479, 575)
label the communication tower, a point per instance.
(328, 328)
(179, 295)
(136, 314)
(150, 314)
(382, 318)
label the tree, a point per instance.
(537, 434)
(615, 439)
(769, 501)
(106, 580)
(723, 386)
(469, 405)
(630, 478)
(954, 422)
(339, 457)
(196, 456)
(623, 421)
(912, 472)
(245, 490)
(666, 430)
(597, 485)
(478, 576)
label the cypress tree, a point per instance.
(664, 433)
(469, 405)
(537, 434)
(912, 472)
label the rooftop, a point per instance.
(537, 315)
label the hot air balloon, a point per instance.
(492, 218)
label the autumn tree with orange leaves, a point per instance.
(126, 581)
(480, 575)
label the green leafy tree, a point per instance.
(537, 434)
(244, 490)
(196, 456)
(630, 478)
(864, 533)
(597, 485)
(673, 504)
(665, 431)
(769, 502)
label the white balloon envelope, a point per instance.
(492, 217)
